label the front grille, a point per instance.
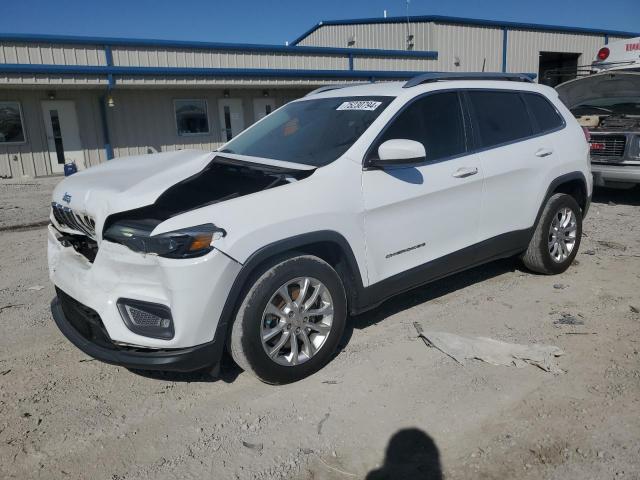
(74, 221)
(607, 145)
(85, 321)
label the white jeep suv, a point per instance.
(324, 208)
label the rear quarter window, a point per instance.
(500, 117)
(544, 113)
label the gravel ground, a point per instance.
(387, 406)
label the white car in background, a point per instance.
(607, 104)
(324, 208)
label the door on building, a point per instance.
(231, 117)
(557, 67)
(63, 134)
(262, 107)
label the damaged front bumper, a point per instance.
(75, 327)
(193, 290)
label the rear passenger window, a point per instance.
(501, 117)
(435, 121)
(545, 115)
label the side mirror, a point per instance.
(399, 152)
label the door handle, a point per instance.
(544, 152)
(463, 172)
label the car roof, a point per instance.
(397, 89)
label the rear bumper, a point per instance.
(615, 173)
(89, 335)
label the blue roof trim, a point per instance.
(232, 47)
(468, 21)
(207, 72)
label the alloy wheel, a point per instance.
(296, 321)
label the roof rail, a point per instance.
(437, 76)
(327, 88)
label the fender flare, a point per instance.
(555, 183)
(279, 247)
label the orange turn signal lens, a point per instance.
(201, 241)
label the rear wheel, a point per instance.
(556, 239)
(290, 320)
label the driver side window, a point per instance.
(435, 121)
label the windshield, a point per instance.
(311, 132)
(608, 106)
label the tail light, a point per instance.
(587, 133)
(603, 54)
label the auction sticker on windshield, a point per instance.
(368, 105)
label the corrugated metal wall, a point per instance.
(391, 36)
(52, 54)
(144, 121)
(526, 45)
(189, 58)
(31, 158)
(471, 45)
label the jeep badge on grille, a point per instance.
(66, 197)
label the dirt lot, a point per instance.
(386, 407)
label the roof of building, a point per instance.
(466, 21)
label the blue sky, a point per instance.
(253, 21)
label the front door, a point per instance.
(231, 117)
(262, 107)
(63, 134)
(414, 215)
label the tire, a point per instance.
(541, 256)
(252, 321)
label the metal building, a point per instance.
(87, 100)
(465, 44)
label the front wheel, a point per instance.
(290, 320)
(557, 236)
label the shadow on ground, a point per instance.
(229, 371)
(427, 293)
(621, 197)
(411, 454)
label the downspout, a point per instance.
(105, 127)
(103, 104)
(504, 48)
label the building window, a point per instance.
(191, 117)
(11, 123)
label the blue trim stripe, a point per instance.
(231, 47)
(205, 72)
(467, 21)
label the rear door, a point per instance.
(515, 157)
(421, 213)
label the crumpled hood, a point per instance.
(600, 85)
(128, 183)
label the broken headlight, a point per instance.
(185, 243)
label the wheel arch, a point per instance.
(574, 184)
(328, 245)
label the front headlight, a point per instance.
(185, 243)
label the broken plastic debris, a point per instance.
(492, 351)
